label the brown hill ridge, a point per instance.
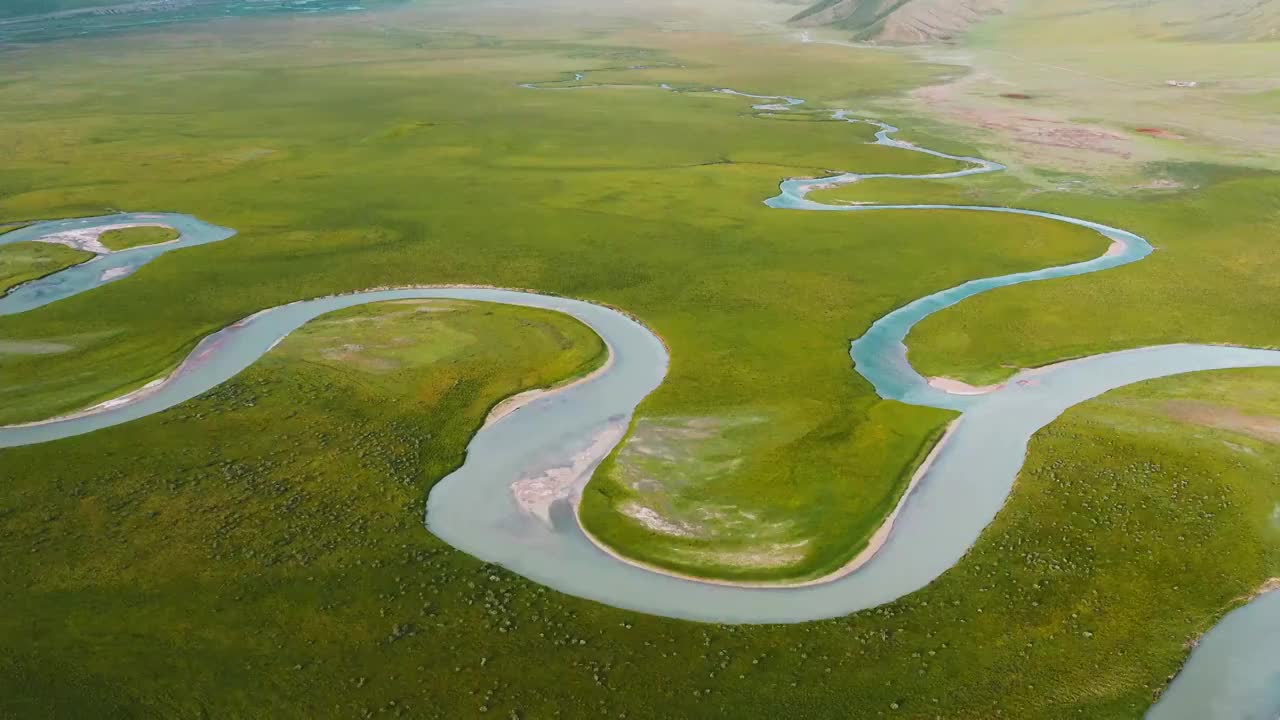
(901, 21)
(921, 21)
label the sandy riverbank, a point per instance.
(1270, 586)
(959, 387)
(536, 494)
(114, 403)
(88, 239)
(519, 400)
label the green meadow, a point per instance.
(125, 238)
(259, 551)
(410, 164)
(1209, 279)
(25, 261)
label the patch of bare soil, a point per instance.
(1262, 427)
(1161, 133)
(1037, 138)
(1159, 184)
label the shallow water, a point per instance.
(1234, 673)
(102, 269)
(473, 508)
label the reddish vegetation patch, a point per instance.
(1042, 132)
(1258, 426)
(1159, 133)
(1016, 96)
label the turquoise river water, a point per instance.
(102, 269)
(1234, 673)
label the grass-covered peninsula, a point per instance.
(22, 262)
(260, 552)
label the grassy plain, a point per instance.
(25, 261)
(126, 238)
(1210, 279)
(418, 160)
(259, 552)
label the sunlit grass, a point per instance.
(126, 238)
(25, 261)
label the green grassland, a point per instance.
(1210, 280)
(412, 165)
(24, 261)
(126, 238)
(259, 552)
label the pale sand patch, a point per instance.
(536, 494)
(519, 400)
(32, 347)
(1117, 248)
(874, 544)
(126, 399)
(114, 273)
(651, 519)
(1270, 586)
(87, 239)
(1160, 184)
(768, 555)
(959, 387)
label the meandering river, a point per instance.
(103, 268)
(566, 434)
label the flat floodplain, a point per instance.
(282, 540)
(669, 225)
(26, 261)
(308, 581)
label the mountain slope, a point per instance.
(900, 21)
(916, 21)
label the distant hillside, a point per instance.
(900, 21)
(917, 21)
(1207, 19)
